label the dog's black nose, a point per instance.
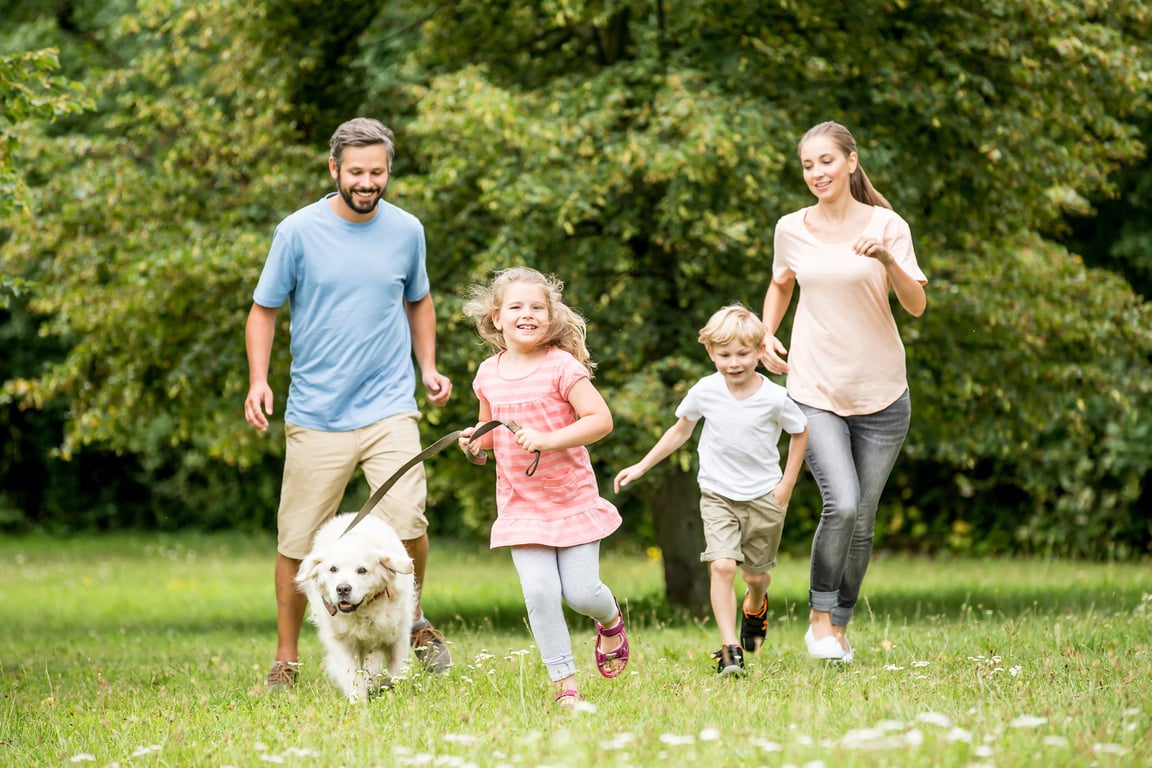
(343, 591)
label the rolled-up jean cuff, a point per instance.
(841, 616)
(823, 601)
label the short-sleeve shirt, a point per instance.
(560, 504)
(739, 445)
(346, 284)
(845, 354)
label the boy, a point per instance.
(743, 493)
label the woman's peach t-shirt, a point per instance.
(845, 354)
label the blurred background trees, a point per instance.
(642, 151)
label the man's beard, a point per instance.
(358, 205)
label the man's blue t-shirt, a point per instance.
(346, 284)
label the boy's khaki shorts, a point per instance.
(745, 531)
(318, 466)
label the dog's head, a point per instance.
(348, 575)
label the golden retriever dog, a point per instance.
(362, 594)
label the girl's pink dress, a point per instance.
(560, 504)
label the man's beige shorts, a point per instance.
(318, 466)
(745, 531)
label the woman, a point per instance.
(846, 369)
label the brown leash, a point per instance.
(432, 450)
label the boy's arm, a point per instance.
(797, 445)
(674, 437)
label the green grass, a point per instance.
(143, 650)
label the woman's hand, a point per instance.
(873, 249)
(771, 355)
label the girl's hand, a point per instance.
(873, 249)
(465, 443)
(533, 439)
(771, 355)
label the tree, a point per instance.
(644, 154)
(642, 151)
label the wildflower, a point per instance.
(460, 738)
(619, 741)
(676, 741)
(934, 718)
(1027, 721)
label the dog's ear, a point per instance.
(398, 564)
(308, 570)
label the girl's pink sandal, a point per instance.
(568, 698)
(611, 664)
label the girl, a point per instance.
(549, 510)
(847, 368)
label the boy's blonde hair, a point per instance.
(734, 322)
(566, 328)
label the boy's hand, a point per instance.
(783, 493)
(627, 475)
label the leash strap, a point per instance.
(432, 450)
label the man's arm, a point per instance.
(422, 322)
(258, 335)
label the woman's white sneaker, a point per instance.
(824, 648)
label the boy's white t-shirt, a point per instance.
(739, 445)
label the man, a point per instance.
(352, 267)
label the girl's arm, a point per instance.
(485, 441)
(593, 421)
(674, 437)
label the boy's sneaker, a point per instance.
(754, 627)
(729, 660)
(429, 648)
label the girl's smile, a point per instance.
(523, 316)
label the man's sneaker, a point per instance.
(428, 645)
(729, 660)
(754, 627)
(282, 675)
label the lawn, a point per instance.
(135, 650)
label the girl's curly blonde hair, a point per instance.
(566, 328)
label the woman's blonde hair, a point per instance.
(858, 183)
(566, 328)
(734, 322)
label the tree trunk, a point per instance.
(675, 507)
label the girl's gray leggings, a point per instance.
(551, 576)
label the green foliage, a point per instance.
(642, 151)
(644, 156)
(29, 90)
